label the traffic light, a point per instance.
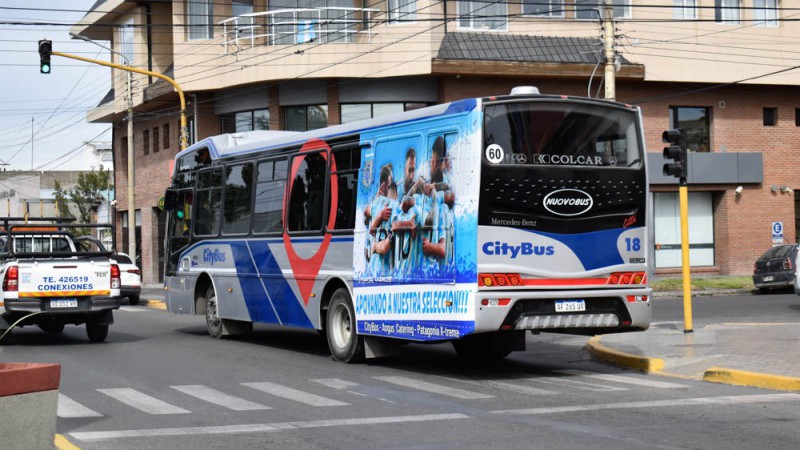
(45, 49)
(676, 138)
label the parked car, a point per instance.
(776, 268)
(131, 278)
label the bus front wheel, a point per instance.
(213, 321)
(345, 344)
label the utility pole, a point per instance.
(609, 50)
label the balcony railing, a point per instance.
(297, 26)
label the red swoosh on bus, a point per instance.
(306, 270)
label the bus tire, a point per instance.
(213, 321)
(96, 332)
(482, 347)
(344, 342)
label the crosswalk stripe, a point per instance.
(624, 379)
(503, 385)
(69, 408)
(575, 384)
(216, 397)
(133, 309)
(294, 394)
(142, 402)
(335, 383)
(434, 388)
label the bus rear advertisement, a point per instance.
(472, 222)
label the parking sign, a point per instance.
(777, 232)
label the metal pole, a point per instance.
(131, 175)
(610, 54)
(683, 194)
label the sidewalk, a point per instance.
(765, 355)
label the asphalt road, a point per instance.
(161, 382)
(778, 306)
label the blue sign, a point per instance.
(777, 232)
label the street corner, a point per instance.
(623, 359)
(752, 379)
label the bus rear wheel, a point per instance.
(345, 344)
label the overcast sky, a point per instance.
(43, 117)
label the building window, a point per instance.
(482, 15)
(245, 121)
(543, 8)
(402, 11)
(797, 117)
(126, 41)
(770, 117)
(190, 128)
(727, 12)
(165, 135)
(685, 9)
(200, 17)
(593, 9)
(156, 144)
(339, 21)
(123, 153)
(697, 122)
(304, 118)
(146, 141)
(765, 12)
(350, 112)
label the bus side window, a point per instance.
(348, 162)
(270, 184)
(307, 197)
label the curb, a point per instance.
(155, 304)
(754, 379)
(616, 357)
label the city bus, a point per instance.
(473, 222)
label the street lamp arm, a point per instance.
(177, 87)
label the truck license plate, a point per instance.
(769, 278)
(570, 305)
(66, 303)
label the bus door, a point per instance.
(179, 226)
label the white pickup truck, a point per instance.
(48, 282)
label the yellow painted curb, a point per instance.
(157, 304)
(63, 443)
(637, 362)
(755, 379)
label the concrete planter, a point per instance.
(28, 403)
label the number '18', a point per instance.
(634, 244)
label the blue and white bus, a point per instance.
(472, 222)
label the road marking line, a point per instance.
(623, 379)
(69, 408)
(89, 436)
(504, 385)
(294, 394)
(434, 388)
(135, 309)
(219, 398)
(702, 401)
(335, 383)
(575, 384)
(142, 402)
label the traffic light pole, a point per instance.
(183, 134)
(683, 194)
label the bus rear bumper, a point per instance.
(599, 311)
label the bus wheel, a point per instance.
(213, 321)
(481, 347)
(345, 344)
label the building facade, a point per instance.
(723, 69)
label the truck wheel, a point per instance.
(345, 344)
(51, 327)
(213, 321)
(96, 332)
(133, 300)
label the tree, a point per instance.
(62, 203)
(87, 194)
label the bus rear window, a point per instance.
(560, 134)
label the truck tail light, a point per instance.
(115, 280)
(787, 264)
(11, 281)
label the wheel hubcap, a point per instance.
(342, 324)
(211, 313)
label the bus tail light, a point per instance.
(495, 301)
(11, 281)
(116, 282)
(637, 298)
(624, 278)
(499, 279)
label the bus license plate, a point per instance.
(570, 305)
(66, 303)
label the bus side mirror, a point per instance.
(170, 200)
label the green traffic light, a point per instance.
(45, 68)
(179, 213)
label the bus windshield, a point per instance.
(562, 134)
